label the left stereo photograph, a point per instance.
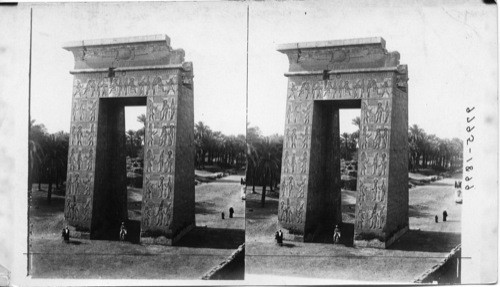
(137, 148)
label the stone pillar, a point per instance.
(110, 74)
(323, 78)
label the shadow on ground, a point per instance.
(134, 231)
(218, 238)
(419, 211)
(205, 208)
(427, 241)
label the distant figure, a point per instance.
(231, 212)
(222, 215)
(123, 232)
(445, 214)
(436, 218)
(65, 234)
(336, 234)
(279, 237)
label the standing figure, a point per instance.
(65, 234)
(293, 138)
(161, 161)
(379, 113)
(317, 90)
(171, 110)
(363, 163)
(292, 162)
(293, 91)
(79, 135)
(445, 214)
(171, 86)
(170, 160)
(231, 212)
(123, 232)
(305, 90)
(336, 234)
(90, 159)
(290, 112)
(164, 108)
(279, 237)
(301, 184)
(90, 136)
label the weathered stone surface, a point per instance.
(111, 74)
(323, 78)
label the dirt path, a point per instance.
(422, 247)
(211, 242)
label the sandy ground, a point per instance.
(211, 242)
(426, 244)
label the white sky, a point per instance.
(450, 51)
(213, 35)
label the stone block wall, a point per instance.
(323, 78)
(184, 197)
(397, 208)
(109, 75)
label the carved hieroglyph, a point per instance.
(369, 82)
(147, 72)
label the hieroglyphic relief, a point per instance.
(160, 137)
(122, 84)
(82, 147)
(341, 87)
(375, 92)
(373, 158)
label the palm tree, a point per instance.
(268, 164)
(54, 159)
(37, 142)
(202, 135)
(416, 141)
(35, 159)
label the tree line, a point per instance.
(425, 151)
(48, 157)
(48, 152)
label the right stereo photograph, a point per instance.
(360, 139)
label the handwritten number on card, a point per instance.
(470, 139)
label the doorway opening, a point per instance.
(135, 127)
(118, 194)
(349, 125)
(336, 152)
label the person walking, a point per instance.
(280, 238)
(231, 212)
(336, 234)
(445, 214)
(123, 232)
(222, 214)
(65, 234)
(436, 218)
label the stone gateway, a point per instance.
(110, 74)
(324, 77)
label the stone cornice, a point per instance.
(331, 44)
(124, 52)
(339, 55)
